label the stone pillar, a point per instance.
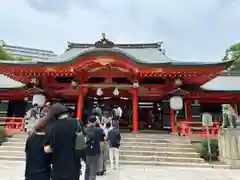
(229, 147)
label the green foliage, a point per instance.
(233, 53)
(5, 56)
(1, 129)
(202, 149)
(3, 135)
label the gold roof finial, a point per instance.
(103, 35)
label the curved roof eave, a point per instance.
(223, 83)
(159, 60)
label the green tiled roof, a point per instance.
(142, 54)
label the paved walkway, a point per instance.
(14, 171)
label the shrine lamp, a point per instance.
(39, 99)
(99, 92)
(176, 103)
(116, 92)
(35, 81)
(176, 99)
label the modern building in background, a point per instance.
(26, 52)
(23, 52)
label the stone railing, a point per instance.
(229, 147)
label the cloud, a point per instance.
(191, 30)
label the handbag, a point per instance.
(80, 137)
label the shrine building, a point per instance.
(140, 78)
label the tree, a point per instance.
(6, 56)
(233, 53)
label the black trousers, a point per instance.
(38, 177)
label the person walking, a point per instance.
(114, 139)
(93, 151)
(101, 161)
(61, 143)
(97, 111)
(116, 115)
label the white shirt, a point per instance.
(120, 111)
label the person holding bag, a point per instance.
(61, 143)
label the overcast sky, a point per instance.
(192, 30)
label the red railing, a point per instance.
(196, 129)
(12, 123)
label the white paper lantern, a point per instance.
(99, 92)
(135, 84)
(178, 82)
(116, 92)
(176, 102)
(39, 99)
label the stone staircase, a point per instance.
(136, 149)
(13, 148)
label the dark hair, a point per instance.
(108, 125)
(57, 110)
(95, 113)
(54, 112)
(92, 119)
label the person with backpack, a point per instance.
(93, 150)
(61, 143)
(116, 115)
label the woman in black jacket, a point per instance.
(61, 139)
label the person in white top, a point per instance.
(116, 116)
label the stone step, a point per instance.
(12, 148)
(20, 152)
(162, 144)
(13, 139)
(12, 158)
(155, 136)
(156, 140)
(173, 164)
(12, 152)
(143, 159)
(156, 148)
(158, 153)
(160, 159)
(9, 143)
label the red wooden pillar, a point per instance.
(172, 116)
(135, 110)
(80, 103)
(188, 110)
(234, 106)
